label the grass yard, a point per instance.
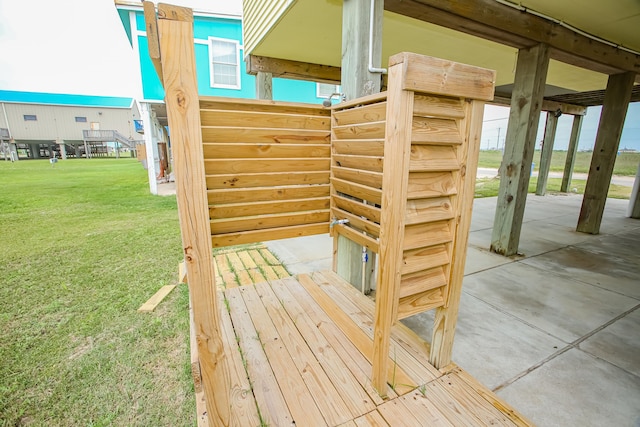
(488, 187)
(626, 163)
(82, 246)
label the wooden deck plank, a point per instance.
(406, 364)
(266, 389)
(425, 411)
(298, 397)
(398, 378)
(351, 356)
(372, 419)
(346, 384)
(474, 403)
(243, 405)
(397, 415)
(327, 398)
(400, 333)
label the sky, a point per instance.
(80, 47)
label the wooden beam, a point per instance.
(293, 69)
(507, 25)
(156, 299)
(571, 153)
(547, 152)
(547, 105)
(531, 73)
(264, 85)
(395, 182)
(153, 40)
(614, 111)
(179, 71)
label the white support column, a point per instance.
(571, 153)
(547, 152)
(13, 150)
(145, 112)
(63, 148)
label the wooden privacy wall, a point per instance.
(357, 139)
(267, 169)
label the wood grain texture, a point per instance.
(271, 120)
(397, 153)
(361, 114)
(156, 299)
(180, 84)
(275, 179)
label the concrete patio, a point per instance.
(554, 331)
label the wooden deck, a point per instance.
(299, 355)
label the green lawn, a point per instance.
(626, 163)
(488, 187)
(82, 246)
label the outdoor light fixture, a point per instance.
(557, 113)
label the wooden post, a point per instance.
(547, 152)
(446, 318)
(264, 85)
(634, 200)
(614, 111)
(571, 153)
(526, 101)
(175, 27)
(357, 81)
(395, 178)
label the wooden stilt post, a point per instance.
(526, 102)
(175, 27)
(264, 85)
(547, 152)
(634, 200)
(614, 111)
(571, 153)
(357, 80)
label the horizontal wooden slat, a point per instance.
(222, 103)
(372, 213)
(261, 222)
(432, 158)
(428, 234)
(424, 258)
(365, 130)
(255, 150)
(427, 130)
(250, 119)
(255, 236)
(235, 210)
(428, 210)
(358, 191)
(359, 147)
(372, 179)
(265, 165)
(260, 135)
(414, 304)
(422, 281)
(440, 76)
(423, 185)
(356, 221)
(370, 163)
(364, 100)
(263, 194)
(365, 114)
(252, 180)
(357, 237)
(437, 106)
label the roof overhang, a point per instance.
(584, 37)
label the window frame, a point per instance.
(81, 119)
(212, 82)
(30, 117)
(336, 89)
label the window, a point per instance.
(325, 90)
(81, 119)
(224, 57)
(30, 117)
